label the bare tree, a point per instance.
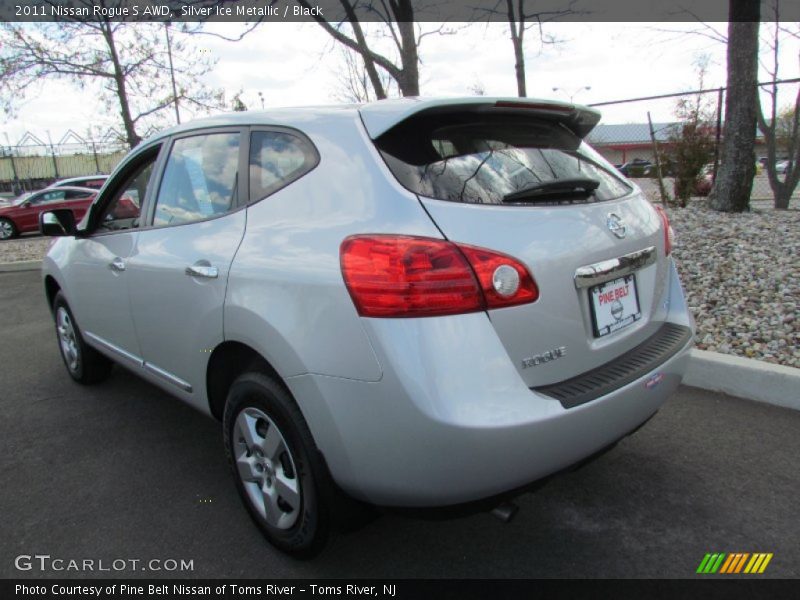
(692, 140)
(734, 181)
(354, 81)
(128, 62)
(780, 130)
(398, 22)
(521, 17)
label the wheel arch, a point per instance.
(51, 288)
(229, 360)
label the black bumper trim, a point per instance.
(635, 363)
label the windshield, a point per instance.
(483, 162)
(19, 200)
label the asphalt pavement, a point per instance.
(121, 470)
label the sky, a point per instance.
(295, 64)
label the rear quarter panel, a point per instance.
(286, 296)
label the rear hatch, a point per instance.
(516, 177)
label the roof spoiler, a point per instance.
(379, 117)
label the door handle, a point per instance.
(117, 265)
(204, 271)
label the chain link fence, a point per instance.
(32, 164)
(643, 147)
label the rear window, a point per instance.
(461, 159)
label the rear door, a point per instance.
(78, 201)
(523, 183)
(179, 269)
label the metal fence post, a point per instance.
(720, 98)
(661, 189)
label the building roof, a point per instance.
(629, 133)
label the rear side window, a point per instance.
(200, 179)
(481, 160)
(277, 158)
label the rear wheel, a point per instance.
(276, 465)
(7, 229)
(84, 363)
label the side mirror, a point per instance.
(58, 222)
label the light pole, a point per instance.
(172, 73)
(574, 93)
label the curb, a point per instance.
(744, 378)
(23, 265)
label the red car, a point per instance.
(22, 215)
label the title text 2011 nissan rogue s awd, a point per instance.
(420, 303)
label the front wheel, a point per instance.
(7, 229)
(276, 465)
(84, 363)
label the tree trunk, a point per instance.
(734, 182)
(369, 64)
(517, 30)
(409, 58)
(122, 92)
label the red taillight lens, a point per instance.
(486, 263)
(668, 233)
(405, 276)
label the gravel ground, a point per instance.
(24, 248)
(741, 273)
(742, 278)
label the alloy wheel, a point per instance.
(67, 340)
(266, 468)
(6, 230)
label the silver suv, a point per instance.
(414, 303)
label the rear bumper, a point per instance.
(451, 421)
(387, 450)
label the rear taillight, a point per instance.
(405, 276)
(669, 234)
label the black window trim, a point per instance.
(310, 151)
(130, 165)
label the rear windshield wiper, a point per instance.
(558, 189)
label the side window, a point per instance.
(200, 179)
(49, 197)
(124, 210)
(75, 195)
(277, 159)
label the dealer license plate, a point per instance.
(615, 305)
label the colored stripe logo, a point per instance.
(734, 563)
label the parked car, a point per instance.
(781, 167)
(705, 182)
(377, 302)
(638, 167)
(22, 215)
(89, 181)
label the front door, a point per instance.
(99, 294)
(179, 269)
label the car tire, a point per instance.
(278, 469)
(84, 364)
(7, 229)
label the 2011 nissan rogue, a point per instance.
(419, 302)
